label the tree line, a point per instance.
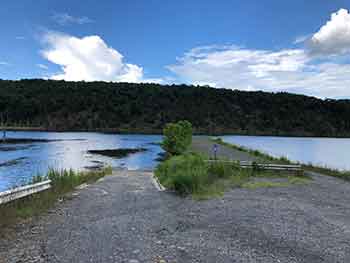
(146, 108)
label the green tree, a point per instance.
(177, 137)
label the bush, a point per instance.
(185, 173)
(222, 170)
(177, 137)
(190, 174)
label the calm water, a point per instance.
(330, 152)
(36, 158)
(71, 152)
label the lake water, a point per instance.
(71, 152)
(329, 152)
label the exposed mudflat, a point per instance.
(124, 218)
(12, 162)
(117, 153)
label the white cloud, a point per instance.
(42, 66)
(301, 39)
(20, 38)
(4, 63)
(334, 37)
(89, 58)
(294, 70)
(66, 19)
(290, 70)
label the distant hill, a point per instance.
(145, 108)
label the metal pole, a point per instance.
(4, 135)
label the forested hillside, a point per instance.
(125, 107)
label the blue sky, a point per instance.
(248, 45)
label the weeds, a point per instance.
(191, 174)
(290, 180)
(62, 182)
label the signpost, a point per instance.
(4, 135)
(215, 150)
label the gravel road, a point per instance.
(124, 218)
(204, 145)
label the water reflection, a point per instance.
(70, 152)
(330, 152)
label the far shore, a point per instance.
(151, 131)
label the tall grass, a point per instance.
(184, 173)
(191, 174)
(62, 182)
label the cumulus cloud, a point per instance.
(88, 58)
(64, 19)
(290, 70)
(4, 63)
(334, 37)
(316, 69)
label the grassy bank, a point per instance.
(262, 156)
(63, 181)
(283, 160)
(191, 174)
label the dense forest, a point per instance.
(145, 108)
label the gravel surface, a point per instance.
(204, 145)
(124, 218)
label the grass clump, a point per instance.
(345, 175)
(190, 174)
(290, 180)
(266, 184)
(185, 174)
(62, 182)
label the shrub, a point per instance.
(222, 170)
(177, 137)
(190, 174)
(185, 173)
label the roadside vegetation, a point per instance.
(345, 175)
(190, 173)
(62, 182)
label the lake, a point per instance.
(329, 152)
(71, 152)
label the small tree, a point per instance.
(177, 137)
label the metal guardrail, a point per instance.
(265, 166)
(17, 193)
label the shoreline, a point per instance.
(160, 132)
(343, 174)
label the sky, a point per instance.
(294, 46)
